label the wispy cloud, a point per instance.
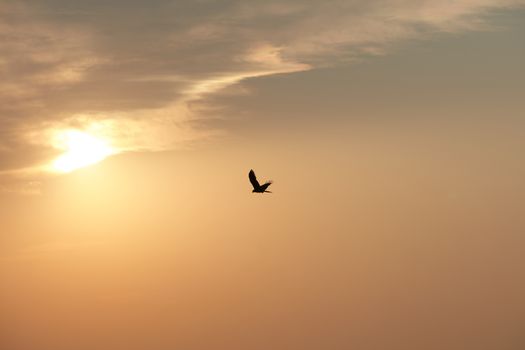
(133, 69)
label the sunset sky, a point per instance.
(394, 132)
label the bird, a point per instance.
(257, 188)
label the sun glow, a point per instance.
(81, 149)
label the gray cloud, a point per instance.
(136, 67)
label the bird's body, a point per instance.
(258, 188)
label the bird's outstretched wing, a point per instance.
(253, 179)
(265, 185)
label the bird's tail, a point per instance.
(268, 192)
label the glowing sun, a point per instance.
(81, 149)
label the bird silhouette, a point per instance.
(257, 188)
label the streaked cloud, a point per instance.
(132, 70)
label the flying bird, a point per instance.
(257, 188)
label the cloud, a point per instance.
(136, 68)
(52, 249)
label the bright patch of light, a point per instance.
(81, 149)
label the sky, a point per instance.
(393, 131)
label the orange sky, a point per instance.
(393, 131)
